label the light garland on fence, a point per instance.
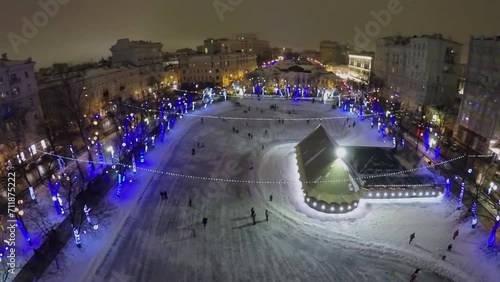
(262, 182)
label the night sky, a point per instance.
(85, 30)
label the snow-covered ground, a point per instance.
(151, 239)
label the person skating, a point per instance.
(190, 203)
(246, 123)
(205, 220)
(347, 119)
(455, 234)
(450, 246)
(265, 132)
(193, 233)
(444, 257)
(253, 219)
(198, 144)
(267, 216)
(252, 211)
(262, 147)
(353, 124)
(412, 237)
(193, 151)
(270, 198)
(307, 121)
(201, 120)
(234, 129)
(161, 195)
(165, 194)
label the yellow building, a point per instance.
(219, 70)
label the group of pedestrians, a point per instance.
(253, 215)
(449, 248)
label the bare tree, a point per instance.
(73, 99)
(76, 202)
(14, 139)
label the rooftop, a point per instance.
(487, 38)
(399, 39)
(6, 62)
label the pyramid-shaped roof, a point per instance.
(316, 152)
(325, 176)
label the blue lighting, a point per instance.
(461, 196)
(448, 188)
(493, 233)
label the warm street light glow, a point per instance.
(341, 152)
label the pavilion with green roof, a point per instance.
(327, 180)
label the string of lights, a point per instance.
(204, 178)
(256, 119)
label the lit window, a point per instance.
(44, 145)
(33, 149)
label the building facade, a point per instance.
(137, 53)
(19, 100)
(360, 67)
(420, 70)
(245, 43)
(478, 120)
(94, 87)
(146, 55)
(218, 70)
(333, 52)
(249, 43)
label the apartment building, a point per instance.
(137, 53)
(146, 55)
(245, 43)
(478, 120)
(218, 69)
(420, 70)
(333, 52)
(252, 45)
(19, 99)
(93, 86)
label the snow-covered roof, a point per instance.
(325, 176)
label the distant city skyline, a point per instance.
(71, 31)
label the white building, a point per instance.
(420, 70)
(18, 93)
(478, 120)
(360, 67)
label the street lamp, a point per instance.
(341, 152)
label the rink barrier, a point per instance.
(325, 207)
